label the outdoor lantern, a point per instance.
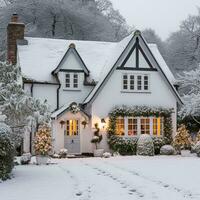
(103, 122)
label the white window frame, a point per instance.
(135, 83)
(71, 82)
(139, 127)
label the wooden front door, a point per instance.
(72, 136)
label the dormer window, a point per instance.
(135, 83)
(72, 81)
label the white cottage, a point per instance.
(97, 77)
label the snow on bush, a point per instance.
(7, 151)
(106, 155)
(145, 145)
(167, 150)
(124, 146)
(25, 159)
(63, 153)
(197, 149)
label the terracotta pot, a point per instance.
(98, 152)
(41, 160)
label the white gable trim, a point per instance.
(77, 55)
(91, 97)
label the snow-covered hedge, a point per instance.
(145, 146)
(7, 152)
(197, 149)
(158, 143)
(124, 146)
(167, 150)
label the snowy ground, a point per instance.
(119, 178)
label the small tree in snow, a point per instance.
(21, 109)
(182, 139)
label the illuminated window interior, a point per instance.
(120, 126)
(72, 127)
(157, 126)
(132, 126)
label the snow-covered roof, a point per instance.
(41, 56)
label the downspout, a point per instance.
(58, 92)
(30, 145)
(32, 89)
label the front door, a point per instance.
(72, 136)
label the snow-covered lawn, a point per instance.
(119, 178)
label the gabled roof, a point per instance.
(117, 54)
(66, 108)
(72, 49)
(42, 55)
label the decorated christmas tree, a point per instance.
(43, 141)
(182, 140)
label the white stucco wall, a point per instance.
(44, 92)
(111, 95)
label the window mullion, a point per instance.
(139, 126)
(151, 126)
(126, 126)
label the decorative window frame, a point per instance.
(151, 128)
(71, 76)
(143, 111)
(135, 90)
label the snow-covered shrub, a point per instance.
(7, 152)
(25, 159)
(158, 143)
(197, 149)
(106, 155)
(167, 150)
(125, 146)
(55, 155)
(63, 153)
(145, 145)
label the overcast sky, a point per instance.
(164, 16)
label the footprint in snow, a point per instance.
(79, 193)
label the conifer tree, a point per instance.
(182, 140)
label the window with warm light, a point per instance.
(120, 126)
(145, 125)
(132, 126)
(72, 127)
(157, 126)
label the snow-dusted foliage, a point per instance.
(25, 159)
(145, 145)
(22, 111)
(63, 153)
(197, 149)
(191, 81)
(167, 150)
(106, 155)
(68, 19)
(7, 150)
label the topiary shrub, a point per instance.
(124, 146)
(167, 150)
(145, 146)
(7, 152)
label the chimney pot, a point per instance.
(14, 17)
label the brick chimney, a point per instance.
(15, 31)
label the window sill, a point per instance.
(72, 90)
(136, 92)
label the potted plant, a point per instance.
(96, 140)
(43, 144)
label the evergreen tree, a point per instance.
(182, 139)
(22, 110)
